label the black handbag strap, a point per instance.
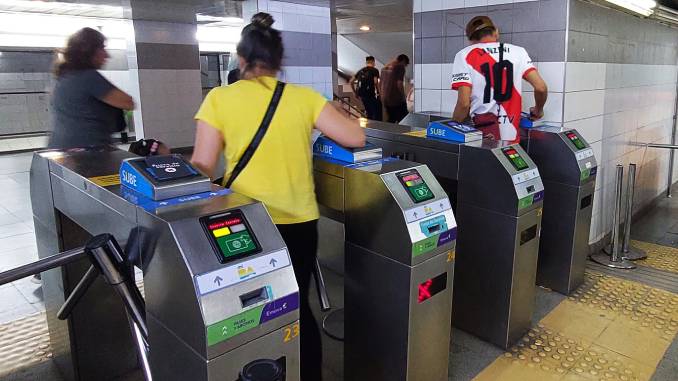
(259, 136)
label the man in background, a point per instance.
(393, 88)
(488, 76)
(365, 85)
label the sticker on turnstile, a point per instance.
(427, 210)
(242, 271)
(106, 181)
(252, 318)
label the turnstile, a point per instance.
(220, 293)
(399, 255)
(497, 194)
(568, 168)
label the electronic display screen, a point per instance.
(431, 287)
(514, 157)
(575, 140)
(416, 186)
(230, 235)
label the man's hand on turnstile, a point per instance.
(536, 114)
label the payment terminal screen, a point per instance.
(415, 185)
(230, 235)
(575, 140)
(514, 157)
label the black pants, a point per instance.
(302, 243)
(372, 107)
(396, 113)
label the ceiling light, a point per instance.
(365, 28)
(642, 7)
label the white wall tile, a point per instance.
(553, 74)
(591, 129)
(431, 5)
(475, 3)
(583, 76)
(452, 4)
(584, 104)
(417, 6)
(430, 100)
(448, 101)
(553, 110)
(430, 76)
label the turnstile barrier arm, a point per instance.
(108, 260)
(42, 265)
(322, 290)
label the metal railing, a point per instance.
(351, 110)
(673, 147)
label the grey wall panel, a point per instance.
(454, 45)
(539, 26)
(432, 50)
(117, 60)
(307, 49)
(167, 56)
(26, 62)
(604, 35)
(432, 24)
(544, 46)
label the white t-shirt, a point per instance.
(475, 64)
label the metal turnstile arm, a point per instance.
(78, 292)
(42, 265)
(322, 289)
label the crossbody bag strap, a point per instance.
(259, 136)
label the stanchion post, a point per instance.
(629, 251)
(615, 260)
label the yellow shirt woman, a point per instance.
(280, 172)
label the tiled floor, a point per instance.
(17, 239)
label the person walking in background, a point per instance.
(488, 76)
(86, 107)
(365, 85)
(278, 167)
(393, 88)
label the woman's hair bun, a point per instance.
(262, 20)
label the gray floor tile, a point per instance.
(11, 298)
(17, 313)
(19, 257)
(547, 300)
(666, 371)
(19, 241)
(30, 290)
(7, 218)
(14, 229)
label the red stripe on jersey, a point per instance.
(513, 106)
(460, 84)
(528, 71)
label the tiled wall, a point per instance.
(306, 32)
(164, 79)
(612, 76)
(620, 92)
(24, 80)
(538, 26)
(25, 83)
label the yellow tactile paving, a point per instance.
(23, 343)
(609, 329)
(658, 256)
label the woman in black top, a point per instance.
(86, 108)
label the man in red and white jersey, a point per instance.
(488, 77)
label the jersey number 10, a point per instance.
(499, 71)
